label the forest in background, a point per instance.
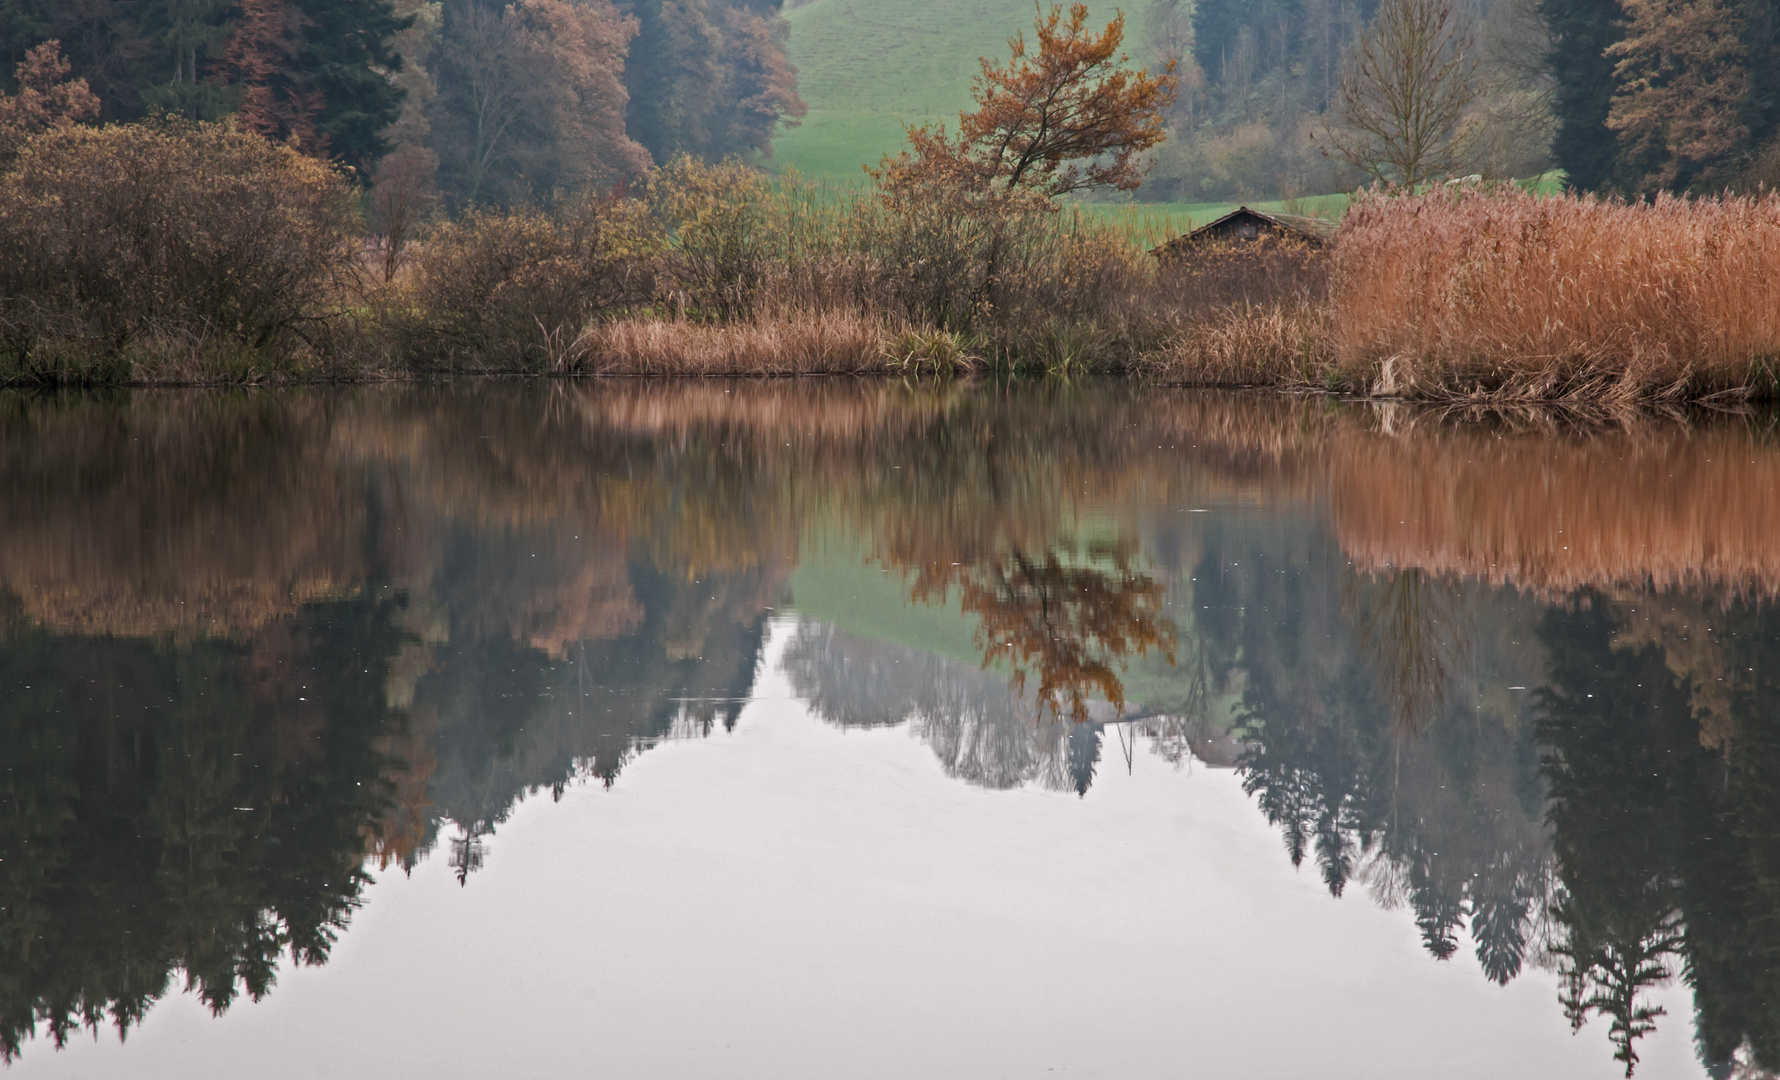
(454, 103)
(1633, 96)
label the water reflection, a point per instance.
(1506, 673)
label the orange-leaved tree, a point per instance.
(1073, 116)
(47, 98)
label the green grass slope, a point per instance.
(867, 67)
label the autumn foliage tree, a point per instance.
(537, 101)
(259, 59)
(47, 98)
(1071, 117)
(1683, 86)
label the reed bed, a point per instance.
(1502, 294)
(1280, 344)
(796, 343)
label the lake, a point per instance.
(822, 728)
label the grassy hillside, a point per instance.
(867, 67)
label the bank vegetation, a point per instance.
(202, 253)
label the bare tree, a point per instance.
(1408, 81)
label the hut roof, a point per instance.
(1316, 231)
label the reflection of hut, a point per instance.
(1245, 229)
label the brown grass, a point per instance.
(1270, 344)
(836, 342)
(1501, 294)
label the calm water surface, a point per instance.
(829, 729)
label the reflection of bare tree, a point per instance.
(1077, 625)
(1187, 729)
(468, 851)
(981, 733)
(1412, 631)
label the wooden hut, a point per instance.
(1244, 228)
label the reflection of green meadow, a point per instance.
(837, 583)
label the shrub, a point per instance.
(129, 240)
(514, 287)
(718, 229)
(1012, 270)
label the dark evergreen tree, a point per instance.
(1581, 31)
(346, 56)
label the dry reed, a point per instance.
(1253, 344)
(1502, 294)
(835, 342)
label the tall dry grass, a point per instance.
(1500, 293)
(799, 343)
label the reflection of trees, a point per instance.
(513, 720)
(1666, 847)
(200, 514)
(1409, 626)
(196, 809)
(1441, 815)
(1682, 506)
(980, 732)
(1076, 625)
(549, 581)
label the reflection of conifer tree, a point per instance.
(1610, 978)
(1622, 747)
(1084, 755)
(1376, 767)
(1499, 930)
(197, 808)
(1439, 911)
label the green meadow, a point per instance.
(868, 68)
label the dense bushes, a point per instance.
(133, 245)
(1018, 280)
(508, 288)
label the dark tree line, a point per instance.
(453, 102)
(198, 809)
(1666, 847)
(313, 70)
(1623, 818)
(1672, 95)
